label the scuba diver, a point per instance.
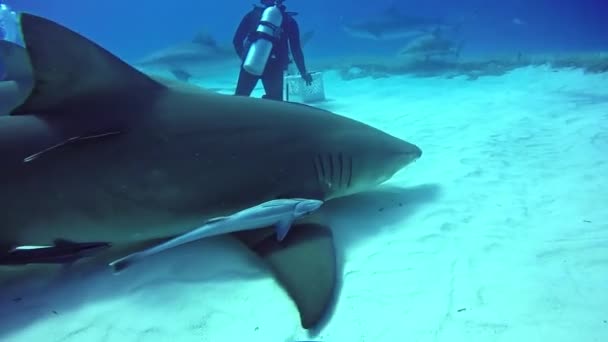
(15, 70)
(262, 41)
(8, 30)
(8, 23)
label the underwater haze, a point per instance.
(452, 156)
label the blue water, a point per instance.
(526, 134)
(134, 28)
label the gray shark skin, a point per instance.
(102, 152)
(391, 24)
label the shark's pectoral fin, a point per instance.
(69, 68)
(304, 263)
(282, 227)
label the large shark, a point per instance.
(392, 24)
(101, 152)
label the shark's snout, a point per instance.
(402, 153)
(411, 152)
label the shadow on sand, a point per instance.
(355, 218)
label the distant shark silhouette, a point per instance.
(392, 24)
(203, 50)
(431, 45)
(100, 152)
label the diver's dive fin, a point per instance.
(71, 71)
(16, 62)
(304, 263)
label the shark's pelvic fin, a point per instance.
(70, 72)
(304, 263)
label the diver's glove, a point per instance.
(307, 77)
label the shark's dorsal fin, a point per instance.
(205, 39)
(73, 74)
(392, 11)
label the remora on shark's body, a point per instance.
(130, 160)
(279, 213)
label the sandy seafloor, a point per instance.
(498, 233)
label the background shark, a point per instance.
(202, 56)
(132, 160)
(392, 24)
(431, 45)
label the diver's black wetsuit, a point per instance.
(272, 78)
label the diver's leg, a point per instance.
(245, 84)
(273, 81)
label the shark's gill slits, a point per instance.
(317, 166)
(321, 167)
(350, 171)
(332, 177)
(340, 168)
(333, 170)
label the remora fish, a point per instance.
(279, 213)
(61, 252)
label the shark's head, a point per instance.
(379, 157)
(366, 158)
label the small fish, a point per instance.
(280, 213)
(61, 252)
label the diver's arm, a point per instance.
(241, 34)
(296, 47)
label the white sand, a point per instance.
(498, 233)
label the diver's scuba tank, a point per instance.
(267, 32)
(8, 24)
